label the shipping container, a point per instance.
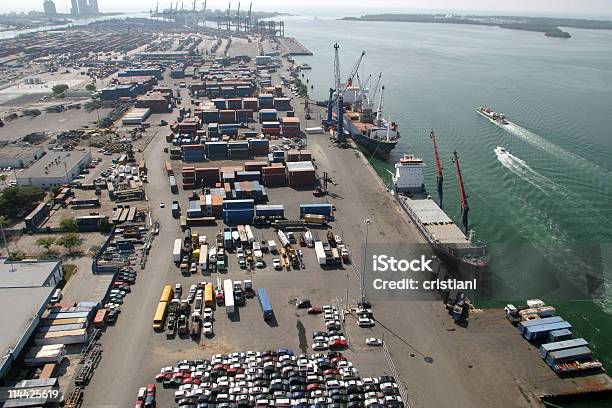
(561, 345)
(542, 331)
(528, 323)
(560, 335)
(568, 355)
(323, 209)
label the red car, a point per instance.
(139, 404)
(151, 390)
(315, 310)
(311, 387)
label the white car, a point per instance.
(277, 264)
(365, 322)
(319, 346)
(162, 205)
(208, 314)
(374, 342)
(207, 327)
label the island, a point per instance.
(547, 25)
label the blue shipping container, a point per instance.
(239, 204)
(542, 331)
(559, 335)
(240, 216)
(567, 355)
(561, 345)
(316, 209)
(527, 323)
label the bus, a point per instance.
(167, 293)
(208, 295)
(264, 302)
(160, 316)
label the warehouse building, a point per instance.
(55, 169)
(20, 156)
(25, 290)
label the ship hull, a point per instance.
(495, 121)
(381, 149)
(444, 252)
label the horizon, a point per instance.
(591, 9)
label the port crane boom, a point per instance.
(464, 204)
(439, 175)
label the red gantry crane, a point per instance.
(464, 204)
(439, 175)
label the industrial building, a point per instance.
(83, 7)
(20, 156)
(25, 290)
(55, 169)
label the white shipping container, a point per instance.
(249, 232)
(203, 258)
(318, 246)
(176, 253)
(272, 246)
(228, 292)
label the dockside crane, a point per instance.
(464, 204)
(238, 17)
(439, 175)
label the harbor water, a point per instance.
(545, 207)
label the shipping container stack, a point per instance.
(206, 176)
(227, 116)
(228, 177)
(301, 174)
(293, 156)
(266, 101)
(188, 174)
(213, 130)
(268, 115)
(210, 115)
(244, 115)
(238, 211)
(238, 150)
(254, 165)
(192, 153)
(271, 128)
(175, 153)
(250, 189)
(290, 126)
(228, 129)
(274, 175)
(216, 150)
(305, 155)
(259, 147)
(282, 104)
(219, 103)
(250, 103)
(194, 210)
(234, 103)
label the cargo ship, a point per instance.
(445, 238)
(495, 117)
(370, 130)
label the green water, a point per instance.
(545, 211)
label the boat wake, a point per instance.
(523, 170)
(549, 147)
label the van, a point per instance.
(57, 296)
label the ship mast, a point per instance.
(464, 204)
(380, 107)
(439, 175)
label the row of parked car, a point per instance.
(124, 279)
(276, 379)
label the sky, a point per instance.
(591, 8)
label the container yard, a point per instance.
(259, 221)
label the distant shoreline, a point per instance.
(548, 26)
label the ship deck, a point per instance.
(436, 221)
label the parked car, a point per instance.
(303, 304)
(374, 342)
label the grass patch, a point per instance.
(69, 271)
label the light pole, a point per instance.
(364, 298)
